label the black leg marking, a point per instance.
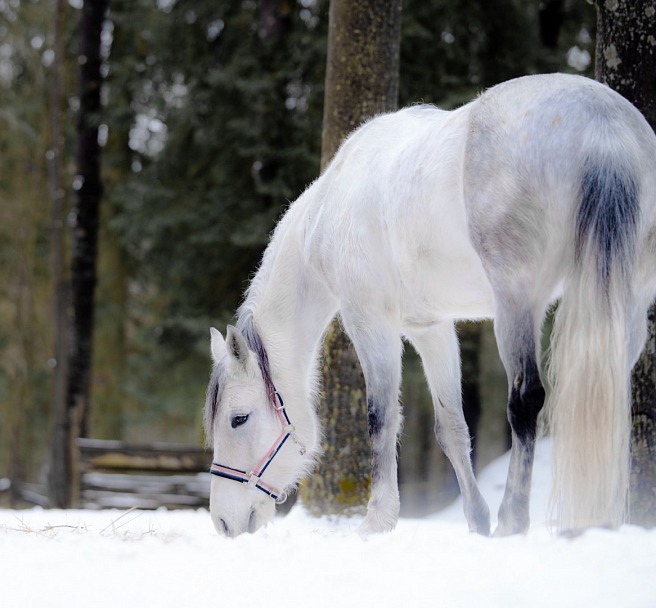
(525, 402)
(375, 417)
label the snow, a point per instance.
(159, 558)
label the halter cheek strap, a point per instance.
(253, 479)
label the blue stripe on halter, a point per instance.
(267, 492)
(237, 476)
(243, 477)
(281, 407)
(273, 455)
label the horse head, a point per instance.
(257, 454)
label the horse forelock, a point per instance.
(217, 382)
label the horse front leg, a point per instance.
(379, 352)
(384, 503)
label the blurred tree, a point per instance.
(551, 20)
(26, 56)
(85, 219)
(242, 89)
(207, 139)
(127, 30)
(60, 448)
(85, 216)
(626, 50)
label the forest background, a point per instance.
(210, 125)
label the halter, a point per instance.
(253, 479)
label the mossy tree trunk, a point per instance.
(361, 80)
(626, 51)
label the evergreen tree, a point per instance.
(26, 355)
(85, 217)
(225, 131)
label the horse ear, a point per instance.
(217, 345)
(237, 347)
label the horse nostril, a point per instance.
(224, 525)
(252, 524)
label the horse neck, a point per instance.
(290, 311)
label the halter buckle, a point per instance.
(253, 480)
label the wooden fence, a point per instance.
(114, 474)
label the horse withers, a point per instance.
(540, 190)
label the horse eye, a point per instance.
(239, 420)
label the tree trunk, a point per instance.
(551, 17)
(88, 190)
(361, 80)
(60, 463)
(626, 50)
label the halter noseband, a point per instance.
(253, 479)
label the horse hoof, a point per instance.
(481, 527)
(375, 525)
(479, 518)
(509, 530)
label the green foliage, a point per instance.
(210, 138)
(452, 50)
(242, 116)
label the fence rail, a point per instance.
(115, 474)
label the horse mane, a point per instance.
(246, 325)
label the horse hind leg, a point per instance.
(438, 348)
(516, 339)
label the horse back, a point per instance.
(432, 212)
(388, 228)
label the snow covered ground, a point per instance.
(161, 559)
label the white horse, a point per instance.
(541, 189)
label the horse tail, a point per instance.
(589, 405)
